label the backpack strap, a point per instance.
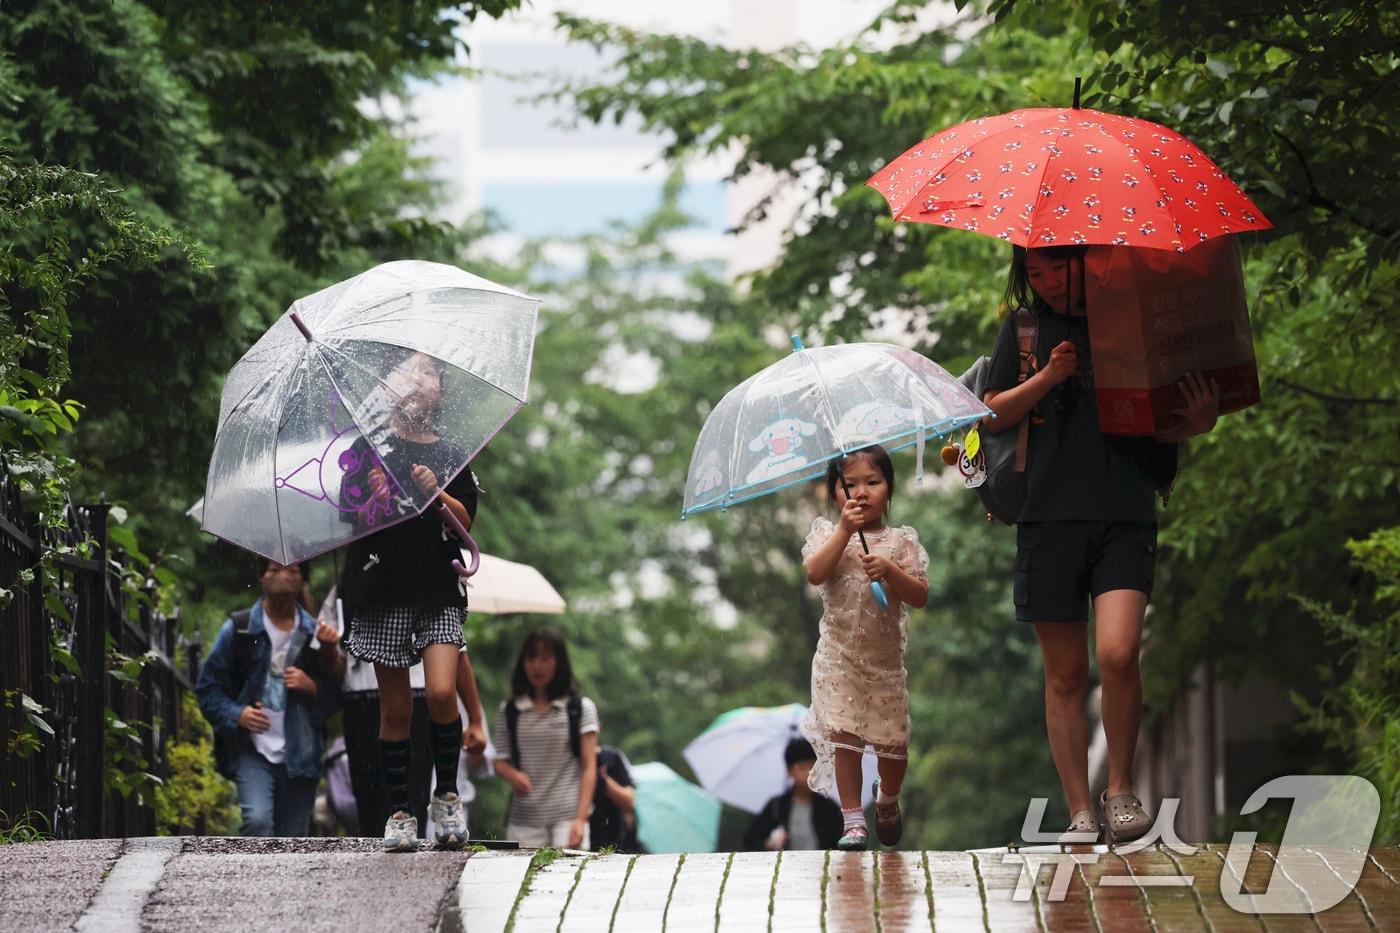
(512, 730)
(242, 643)
(1026, 332)
(575, 708)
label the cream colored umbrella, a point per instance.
(501, 586)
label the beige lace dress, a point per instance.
(859, 685)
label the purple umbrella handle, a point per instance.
(451, 518)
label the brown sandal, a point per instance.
(1123, 817)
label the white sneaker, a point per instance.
(449, 820)
(401, 833)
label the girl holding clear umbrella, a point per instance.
(404, 600)
(860, 693)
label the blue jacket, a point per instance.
(223, 691)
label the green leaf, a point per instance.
(56, 606)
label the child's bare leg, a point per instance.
(395, 703)
(892, 769)
(440, 682)
(848, 774)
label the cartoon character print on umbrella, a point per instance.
(781, 439)
(328, 477)
(870, 422)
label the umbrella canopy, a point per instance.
(673, 815)
(739, 758)
(320, 401)
(781, 426)
(1062, 176)
(502, 586)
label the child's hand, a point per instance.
(776, 840)
(1063, 362)
(519, 782)
(474, 739)
(378, 483)
(298, 679)
(326, 634)
(425, 479)
(852, 517)
(1202, 397)
(576, 829)
(876, 567)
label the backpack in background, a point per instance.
(1004, 453)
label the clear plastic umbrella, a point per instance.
(739, 757)
(781, 426)
(322, 422)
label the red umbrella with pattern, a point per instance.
(1060, 176)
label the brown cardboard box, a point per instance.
(1155, 315)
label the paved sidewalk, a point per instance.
(213, 885)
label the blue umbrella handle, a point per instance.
(467, 539)
(879, 591)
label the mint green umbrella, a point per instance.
(673, 815)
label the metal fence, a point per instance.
(85, 611)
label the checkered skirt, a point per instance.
(395, 636)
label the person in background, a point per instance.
(796, 819)
(547, 747)
(267, 689)
(614, 820)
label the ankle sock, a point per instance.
(393, 758)
(446, 740)
(852, 818)
(883, 799)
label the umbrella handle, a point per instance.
(470, 542)
(879, 591)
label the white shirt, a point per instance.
(272, 744)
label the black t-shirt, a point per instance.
(414, 566)
(606, 826)
(1074, 472)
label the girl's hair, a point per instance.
(563, 683)
(879, 457)
(1019, 293)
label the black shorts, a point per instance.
(1061, 565)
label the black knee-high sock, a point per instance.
(393, 757)
(447, 739)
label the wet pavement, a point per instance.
(348, 884)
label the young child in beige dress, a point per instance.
(860, 694)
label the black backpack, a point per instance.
(1005, 453)
(226, 744)
(574, 706)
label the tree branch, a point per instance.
(1318, 199)
(1337, 399)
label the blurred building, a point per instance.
(526, 160)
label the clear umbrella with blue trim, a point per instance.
(783, 425)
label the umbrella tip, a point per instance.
(1077, 82)
(301, 326)
(797, 344)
